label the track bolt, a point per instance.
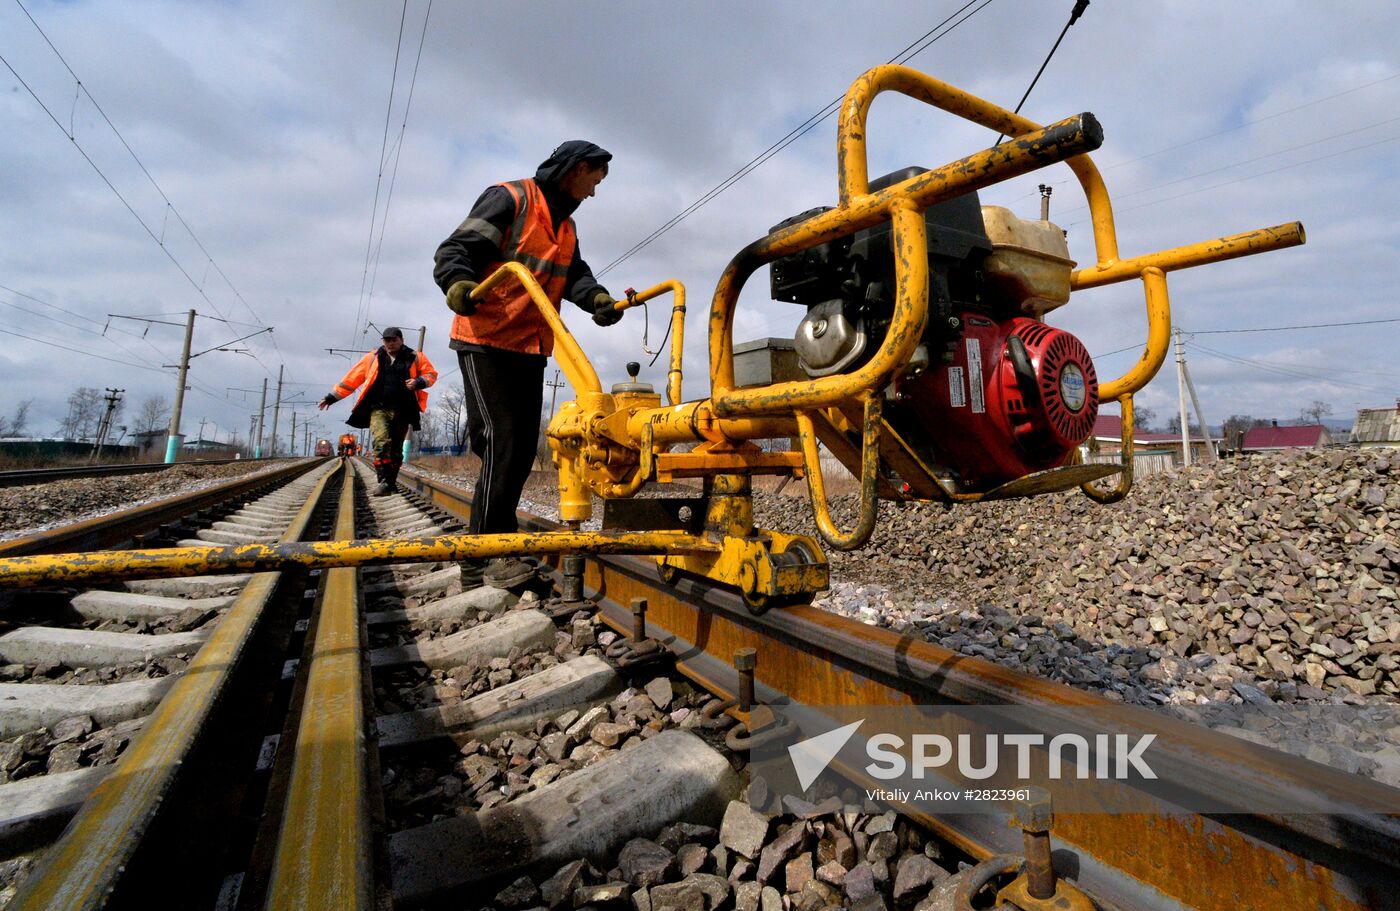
(1035, 816)
(639, 619)
(571, 589)
(745, 660)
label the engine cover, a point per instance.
(1017, 397)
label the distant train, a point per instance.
(347, 445)
(323, 447)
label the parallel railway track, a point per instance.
(21, 476)
(324, 818)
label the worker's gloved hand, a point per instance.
(326, 402)
(459, 299)
(605, 312)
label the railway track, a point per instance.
(23, 476)
(339, 737)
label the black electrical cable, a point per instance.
(1079, 7)
(904, 56)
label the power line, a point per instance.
(1236, 164)
(100, 357)
(918, 46)
(398, 154)
(1363, 322)
(1285, 371)
(379, 179)
(1281, 168)
(169, 205)
(1079, 7)
(1218, 133)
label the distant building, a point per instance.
(1377, 427)
(1275, 438)
(1108, 439)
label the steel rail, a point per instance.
(83, 867)
(118, 529)
(325, 849)
(22, 476)
(1340, 856)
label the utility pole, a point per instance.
(252, 422)
(199, 441)
(292, 437)
(555, 385)
(262, 419)
(1200, 415)
(113, 397)
(172, 443)
(276, 415)
(306, 445)
(1181, 401)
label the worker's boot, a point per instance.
(383, 488)
(473, 571)
(508, 572)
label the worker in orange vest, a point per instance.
(502, 340)
(395, 380)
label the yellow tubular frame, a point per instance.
(673, 373)
(869, 477)
(901, 204)
(571, 358)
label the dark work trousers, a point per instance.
(504, 392)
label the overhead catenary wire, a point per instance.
(1199, 139)
(398, 153)
(1079, 7)
(360, 308)
(904, 56)
(170, 206)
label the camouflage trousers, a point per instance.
(387, 430)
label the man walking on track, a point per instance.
(395, 380)
(501, 338)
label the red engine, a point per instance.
(1017, 397)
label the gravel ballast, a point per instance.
(38, 507)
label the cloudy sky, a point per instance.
(233, 158)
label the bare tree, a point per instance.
(85, 407)
(1236, 426)
(154, 414)
(1143, 418)
(1314, 413)
(451, 411)
(15, 426)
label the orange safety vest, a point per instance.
(505, 316)
(363, 375)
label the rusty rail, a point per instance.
(1328, 859)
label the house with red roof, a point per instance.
(1108, 438)
(1275, 438)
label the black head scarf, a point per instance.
(570, 153)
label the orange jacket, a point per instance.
(366, 370)
(505, 316)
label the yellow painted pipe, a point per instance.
(80, 871)
(1159, 330)
(324, 851)
(907, 323)
(1125, 458)
(1210, 251)
(851, 136)
(869, 477)
(673, 373)
(1054, 143)
(111, 566)
(567, 352)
